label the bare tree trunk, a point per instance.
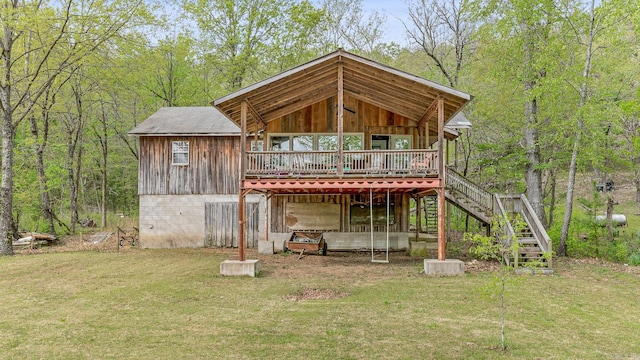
(6, 220)
(552, 206)
(533, 174)
(637, 181)
(103, 137)
(74, 153)
(610, 218)
(45, 200)
(6, 200)
(566, 221)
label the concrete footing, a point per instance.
(448, 267)
(240, 268)
(265, 247)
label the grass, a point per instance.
(150, 304)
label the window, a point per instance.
(401, 142)
(256, 145)
(352, 142)
(180, 153)
(310, 142)
(302, 142)
(280, 143)
(391, 142)
(327, 142)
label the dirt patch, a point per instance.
(340, 265)
(477, 266)
(318, 294)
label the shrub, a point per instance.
(634, 258)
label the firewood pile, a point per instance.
(33, 240)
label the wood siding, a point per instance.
(221, 224)
(400, 210)
(365, 118)
(213, 166)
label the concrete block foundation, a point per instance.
(448, 267)
(265, 247)
(240, 268)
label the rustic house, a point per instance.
(338, 146)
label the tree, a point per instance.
(587, 27)
(586, 39)
(444, 31)
(346, 26)
(239, 37)
(168, 71)
(69, 34)
(519, 35)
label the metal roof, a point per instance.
(185, 121)
(380, 85)
(459, 121)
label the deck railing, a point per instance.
(354, 163)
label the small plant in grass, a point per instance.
(634, 258)
(501, 247)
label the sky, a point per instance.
(394, 10)
(396, 13)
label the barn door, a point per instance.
(222, 228)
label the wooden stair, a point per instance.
(431, 214)
(533, 241)
(528, 248)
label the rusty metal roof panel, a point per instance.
(187, 121)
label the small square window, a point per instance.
(180, 152)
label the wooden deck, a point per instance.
(329, 164)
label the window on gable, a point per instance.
(180, 153)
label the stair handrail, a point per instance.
(503, 213)
(541, 235)
(470, 190)
(507, 229)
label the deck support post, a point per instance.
(426, 135)
(442, 236)
(242, 213)
(441, 140)
(340, 168)
(418, 216)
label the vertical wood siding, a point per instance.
(213, 166)
(221, 224)
(320, 117)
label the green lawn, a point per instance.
(150, 304)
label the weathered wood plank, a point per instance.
(213, 166)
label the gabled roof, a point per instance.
(459, 121)
(380, 85)
(186, 121)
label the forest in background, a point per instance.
(556, 87)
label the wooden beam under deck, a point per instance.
(340, 186)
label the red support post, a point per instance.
(242, 213)
(442, 236)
